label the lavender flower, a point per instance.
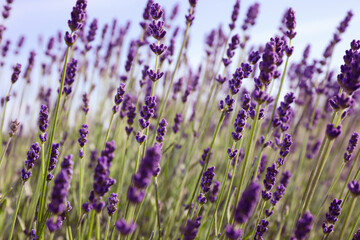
(78, 17)
(331, 216)
(119, 97)
(113, 200)
(14, 126)
(16, 73)
(43, 122)
(234, 14)
(333, 132)
(85, 100)
(230, 52)
(251, 16)
(191, 228)
(125, 228)
(58, 204)
(53, 160)
(161, 131)
(278, 194)
(353, 141)
(357, 235)
(349, 77)
(214, 191)
(232, 233)
(284, 113)
(290, 23)
(261, 229)
(149, 166)
(354, 188)
(31, 157)
(207, 178)
(285, 178)
(303, 226)
(177, 121)
(247, 203)
(70, 76)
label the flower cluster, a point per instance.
(53, 160)
(353, 141)
(58, 205)
(113, 200)
(247, 203)
(177, 122)
(149, 167)
(78, 17)
(70, 76)
(332, 216)
(284, 113)
(83, 132)
(31, 157)
(161, 131)
(119, 97)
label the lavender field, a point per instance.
(107, 135)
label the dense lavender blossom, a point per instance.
(28, 70)
(356, 235)
(354, 188)
(191, 228)
(16, 73)
(125, 228)
(239, 125)
(353, 141)
(78, 17)
(43, 122)
(284, 113)
(161, 131)
(333, 132)
(149, 166)
(207, 178)
(230, 52)
(177, 122)
(303, 226)
(70, 76)
(85, 100)
(251, 16)
(349, 77)
(290, 23)
(53, 160)
(214, 191)
(234, 14)
(285, 178)
(247, 203)
(113, 200)
(119, 97)
(232, 233)
(58, 204)
(332, 216)
(31, 157)
(261, 229)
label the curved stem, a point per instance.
(157, 206)
(16, 211)
(353, 201)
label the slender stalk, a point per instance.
(218, 200)
(248, 150)
(157, 206)
(51, 140)
(16, 211)
(349, 174)
(230, 186)
(108, 131)
(331, 188)
(353, 229)
(263, 203)
(107, 228)
(344, 227)
(3, 117)
(164, 103)
(221, 119)
(3, 154)
(91, 225)
(97, 231)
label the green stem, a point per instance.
(3, 154)
(157, 206)
(16, 211)
(349, 174)
(353, 229)
(263, 203)
(97, 231)
(107, 228)
(164, 103)
(331, 188)
(51, 140)
(108, 131)
(248, 150)
(91, 225)
(218, 200)
(3, 118)
(353, 201)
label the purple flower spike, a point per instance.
(161, 131)
(233, 233)
(83, 132)
(125, 228)
(234, 14)
(43, 118)
(177, 121)
(353, 141)
(14, 126)
(78, 15)
(333, 132)
(290, 23)
(251, 16)
(303, 226)
(113, 200)
(207, 178)
(31, 157)
(357, 235)
(354, 188)
(261, 229)
(214, 192)
(278, 194)
(16, 73)
(247, 203)
(191, 228)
